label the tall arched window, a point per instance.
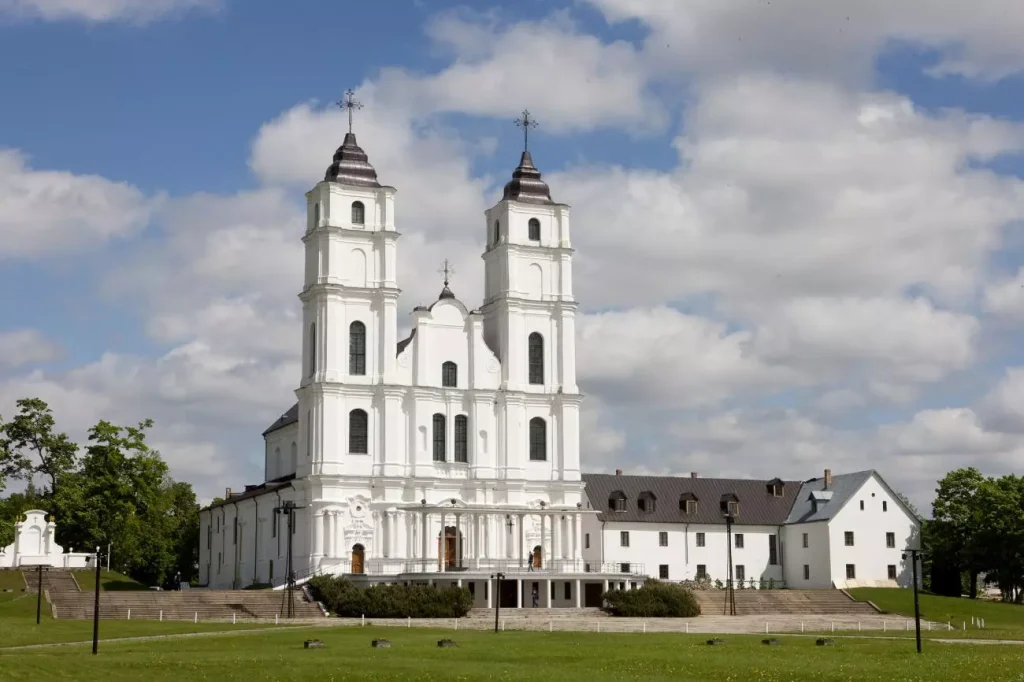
(449, 375)
(439, 438)
(312, 349)
(316, 215)
(358, 213)
(534, 230)
(358, 432)
(357, 349)
(538, 440)
(496, 233)
(535, 354)
(461, 439)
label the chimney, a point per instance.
(227, 493)
(693, 474)
(828, 479)
(618, 472)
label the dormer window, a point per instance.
(776, 488)
(730, 505)
(688, 503)
(358, 213)
(645, 502)
(617, 501)
(534, 230)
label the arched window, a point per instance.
(358, 432)
(534, 230)
(535, 354)
(316, 215)
(449, 375)
(496, 234)
(358, 213)
(461, 439)
(439, 438)
(538, 440)
(312, 349)
(357, 349)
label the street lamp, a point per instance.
(730, 507)
(915, 555)
(497, 578)
(288, 508)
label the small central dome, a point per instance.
(351, 165)
(526, 184)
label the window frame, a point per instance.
(623, 538)
(461, 440)
(738, 541)
(848, 539)
(358, 438)
(535, 358)
(358, 213)
(538, 440)
(533, 230)
(702, 572)
(851, 571)
(890, 540)
(701, 540)
(439, 436)
(662, 538)
(449, 374)
(773, 549)
(807, 571)
(891, 572)
(662, 571)
(806, 541)
(357, 349)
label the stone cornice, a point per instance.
(332, 289)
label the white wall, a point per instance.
(815, 556)
(869, 553)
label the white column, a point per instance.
(396, 525)
(577, 589)
(578, 545)
(546, 586)
(544, 553)
(519, 594)
(490, 591)
(522, 550)
(318, 534)
(424, 525)
(458, 540)
(329, 540)
(442, 545)
(556, 536)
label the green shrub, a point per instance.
(343, 598)
(654, 600)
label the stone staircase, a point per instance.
(545, 615)
(54, 580)
(184, 605)
(779, 602)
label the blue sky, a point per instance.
(803, 223)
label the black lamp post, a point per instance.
(730, 509)
(915, 555)
(288, 508)
(96, 608)
(497, 577)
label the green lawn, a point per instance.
(109, 581)
(279, 655)
(1001, 620)
(11, 580)
(18, 625)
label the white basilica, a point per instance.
(444, 456)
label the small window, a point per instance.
(734, 508)
(807, 572)
(741, 572)
(892, 571)
(586, 541)
(624, 538)
(885, 506)
(848, 538)
(617, 501)
(449, 375)
(773, 551)
(538, 440)
(438, 424)
(496, 232)
(663, 571)
(358, 436)
(663, 539)
(702, 572)
(645, 502)
(535, 357)
(890, 540)
(688, 503)
(552, 583)
(568, 590)
(624, 568)
(461, 439)
(700, 539)
(805, 541)
(862, 505)
(534, 230)
(738, 540)
(358, 213)
(851, 572)
(316, 215)
(357, 349)
(312, 349)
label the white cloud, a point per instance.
(1005, 297)
(825, 39)
(55, 212)
(1002, 410)
(100, 11)
(26, 347)
(949, 431)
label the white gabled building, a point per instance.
(836, 531)
(441, 457)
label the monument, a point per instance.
(35, 545)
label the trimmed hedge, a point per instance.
(343, 598)
(654, 600)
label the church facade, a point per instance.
(444, 456)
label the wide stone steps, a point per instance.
(772, 602)
(539, 613)
(54, 580)
(184, 605)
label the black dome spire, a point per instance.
(526, 184)
(351, 165)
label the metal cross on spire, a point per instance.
(349, 102)
(526, 123)
(447, 269)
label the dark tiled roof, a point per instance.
(289, 417)
(757, 505)
(526, 184)
(256, 490)
(351, 166)
(844, 486)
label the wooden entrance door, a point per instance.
(358, 554)
(537, 557)
(449, 551)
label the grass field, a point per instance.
(12, 580)
(1002, 621)
(278, 655)
(109, 581)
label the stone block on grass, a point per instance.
(771, 641)
(825, 641)
(445, 643)
(716, 642)
(381, 644)
(312, 644)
